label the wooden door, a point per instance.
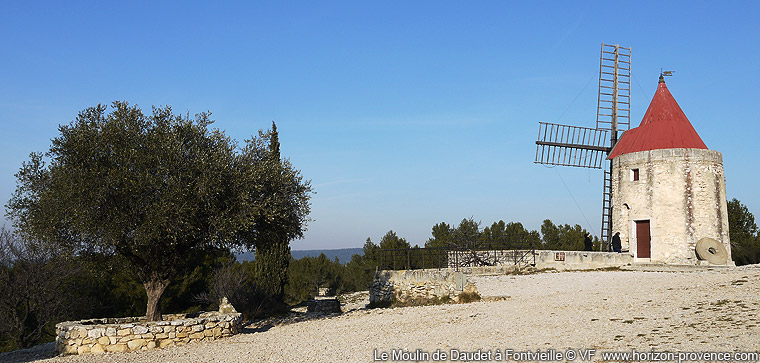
(643, 240)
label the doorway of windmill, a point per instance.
(643, 240)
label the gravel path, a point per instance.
(714, 310)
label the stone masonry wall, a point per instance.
(682, 193)
(128, 334)
(406, 285)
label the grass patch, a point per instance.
(422, 302)
(531, 271)
(468, 297)
(611, 268)
(463, 298)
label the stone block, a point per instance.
(111, 331)
(123, 332)
(162, 336)
(225, 307)
(139, 329)
(70, 349)
(117, 348)
(182, 335)
(97, 349)
(80, 333)
(112, 340)
(82, 349)
(95, 333)
(166, 343)
(135, 344)
(196, 336)
(197, 328)
(208, 332)
(148, 336)
(151, 344)
(156, 329)
(172, 335)
(104, 340)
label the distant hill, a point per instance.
(343, 254)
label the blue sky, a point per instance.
(403, 114)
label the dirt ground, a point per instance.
(527, 316)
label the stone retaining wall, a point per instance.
(128, 334)
(406, 285)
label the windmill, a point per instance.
(587, 147)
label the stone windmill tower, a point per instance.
(669, 190)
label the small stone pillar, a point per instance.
(323, 303)
(225, 307)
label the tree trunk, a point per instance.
(154, 288)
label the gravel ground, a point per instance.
(698, 310)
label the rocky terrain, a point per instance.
(678, 310)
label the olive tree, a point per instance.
(157, 189)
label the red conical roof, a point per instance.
(664, 126)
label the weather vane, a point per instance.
(663, 74)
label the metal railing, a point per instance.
(445, 257)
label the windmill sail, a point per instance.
(586, 147)
(567, 145)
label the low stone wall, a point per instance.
(581, 260)
(406, 285)
(543, 259)
(128, 334)
(323, 305)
